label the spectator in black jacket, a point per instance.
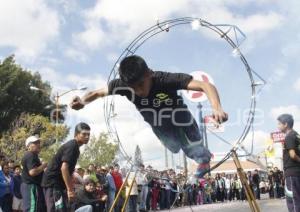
(17, 205)
(32, 174)
(256, 181)
(87, 199)
(101, 176)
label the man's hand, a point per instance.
(76, 103)
(44, 164)
(104, 198)
(71, 195)
(219, 116)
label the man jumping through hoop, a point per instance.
(154, 94)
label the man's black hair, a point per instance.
(80, 127)
(88, 181)
(286, 119)
(17, 166)
(132, 69)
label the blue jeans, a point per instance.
(110, 199)
(187, 138)
(168, 198)
(132, 203)
(143, 196)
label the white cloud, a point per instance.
(259, 141)
(93, 37)
(277, 75)
(76, 55)
(27, 26)
(68, 6)
(62, 82)
(260, 22)
(111, 21)
(121, 21)
(297, 85)
(112, 57)
(291, 32)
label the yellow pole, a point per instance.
(249, 194)
(119, 192)
(128, 195)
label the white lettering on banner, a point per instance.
(278, 137)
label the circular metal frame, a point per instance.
(230, 33)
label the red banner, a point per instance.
(278, 137)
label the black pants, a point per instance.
(293, 184)
(256, 191)
(56, 200)
(6, 203)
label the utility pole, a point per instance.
(173, 162)
(166, 158)
(185, 165)
(202, 128)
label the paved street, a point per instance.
(237, 206)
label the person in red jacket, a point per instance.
(117, 177)
(118, 182)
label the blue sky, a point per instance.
(74, 43)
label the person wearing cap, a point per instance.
(32, 173)
(78, 177)
(57, 181)
(291, 161)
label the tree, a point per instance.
(138, 160)
(12, 142)
(16, 97)
(99, 151)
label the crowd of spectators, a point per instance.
(96, 187)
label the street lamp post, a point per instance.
(57, 96)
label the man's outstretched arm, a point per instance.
(212, 94)
(78, 103)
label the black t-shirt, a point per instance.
(292, 141)
(162, 98)
(29, 161)
(69, 153)
(256, 179)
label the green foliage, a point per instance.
(12, 143)
(16, 97)
(98, 151)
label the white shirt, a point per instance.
(134, 189)
(227, 183)
(141, 178)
